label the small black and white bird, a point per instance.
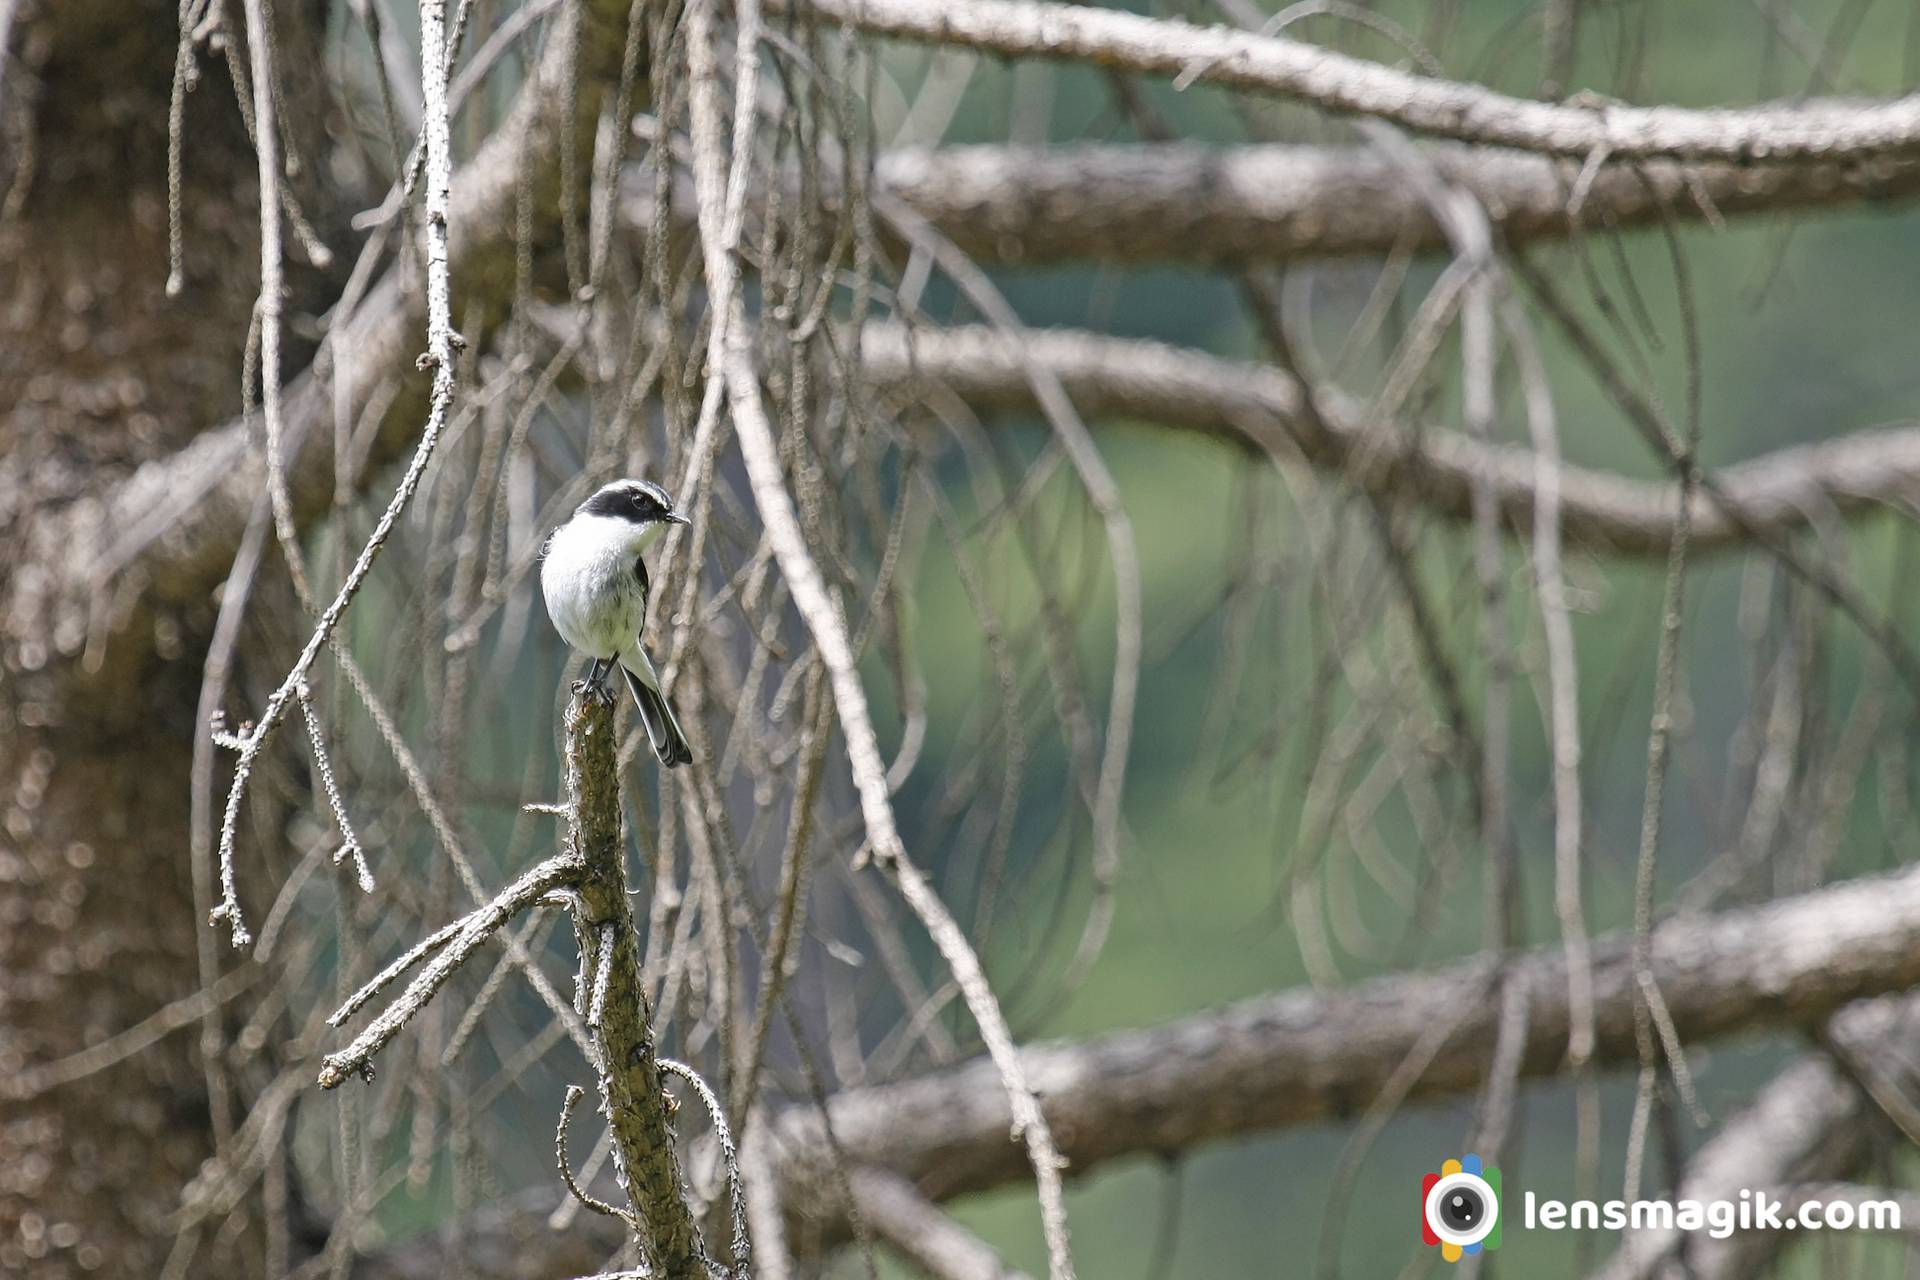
(594, 577)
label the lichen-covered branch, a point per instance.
(638, 1110)
(449, 950)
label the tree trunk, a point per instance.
(99, 372)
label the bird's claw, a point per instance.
(594, 691)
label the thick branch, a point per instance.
(1303, 1057)
(1812, 1123)
(177, 520)
(636, 1106)
(1261, 406)
(1830, 129)
(1185, 202)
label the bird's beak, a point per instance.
(675, 517)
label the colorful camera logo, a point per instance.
(1460, 1208)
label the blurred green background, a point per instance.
(1804, 330)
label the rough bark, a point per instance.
(1262, 64)
(99, 373)
(1306, 1057)
(615, 1004)
(119, 514)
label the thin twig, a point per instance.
(572, 1100)
(441, 342)
(473, 932)
(742, 1268)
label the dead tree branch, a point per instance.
(916, 1229)
(449, 953)
(609, 994)
(1303, 1057)
(177, 520)
(1272, 65)
(821, 612)
(637, 1107)
(1186, 202)
(1262, 407)
(1812, 1123)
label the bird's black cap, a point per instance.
(637, 501)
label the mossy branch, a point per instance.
(638, 1109)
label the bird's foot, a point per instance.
(595, 687)
(594, 691)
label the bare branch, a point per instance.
(1811, 1123)
(1186, 202)
(1303, 1057)
(629, 1072)
(1334, 82)
(441, 341)
(404, 961)
(741, 1242)
(919, 1232)
(572, 1100)
(823, 619)
(473, 932)
(1262, 407)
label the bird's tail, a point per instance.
(663, 730)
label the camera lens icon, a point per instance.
(1460, 1208)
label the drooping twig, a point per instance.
(1103, 492)
(572, 1100)
(1563, 683)
(730, 1158)
(829, 630)
(441, 343)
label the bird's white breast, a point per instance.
(587, 578)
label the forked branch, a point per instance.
(609, 995)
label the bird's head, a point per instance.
(640, 503)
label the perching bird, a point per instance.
(595, 581)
